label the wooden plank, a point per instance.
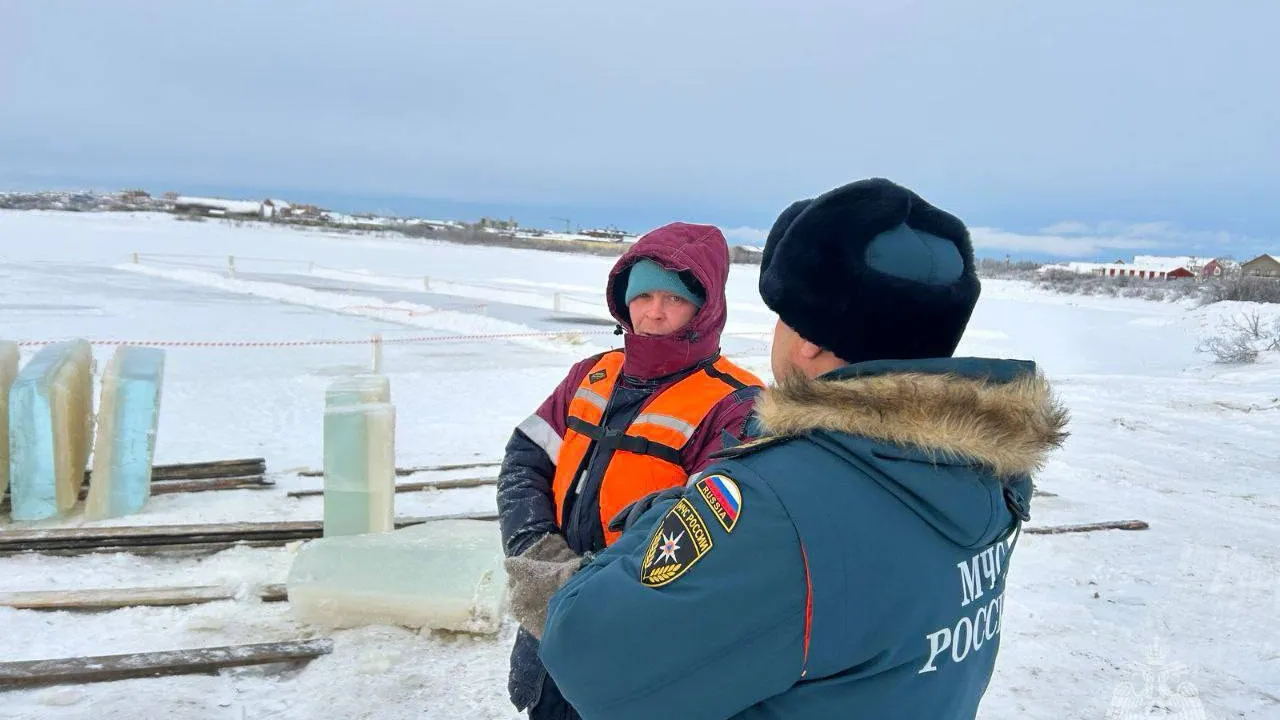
(248, 482)
(274, 593)
(416, 486)
(104, 668)
(1089, 527)
(200, 471)
(402, 471)
(169, 550)
(203, 470)
(119, 538)
(115, 598)
(57, 538)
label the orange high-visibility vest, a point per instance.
(646, 456)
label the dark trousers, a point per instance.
(552, 705)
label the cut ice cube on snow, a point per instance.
(8, 371)
(359, 458)
(50, 430)
(128, 418)
(443, 575)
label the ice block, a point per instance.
(128, 418)
(444, 575)
(359, 457)
(8, 371)
(50, 430)
(358, 390)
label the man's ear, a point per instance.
(809, 351)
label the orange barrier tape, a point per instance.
(326, 341)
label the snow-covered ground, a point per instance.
(1181, 613)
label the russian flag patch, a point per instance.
(723, 497)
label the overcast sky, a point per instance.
(1083, 128)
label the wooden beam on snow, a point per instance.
(203, 470)
(90, 600)
(248, 482)
(1090, 527)
(402, 471)
(114, 598)
(416, 486)
(123, 538)
(61, 671)
(168, 487)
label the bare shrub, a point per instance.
(1242, 339)
(1007, 269)
(1243, 289)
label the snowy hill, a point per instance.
(258, 320)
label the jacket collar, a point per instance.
(998, 413)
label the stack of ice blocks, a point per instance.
(444, 575)
(128, 417)
(8, 371)
(50, 430)
(359, 456)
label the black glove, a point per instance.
(629, 514)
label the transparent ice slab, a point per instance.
(358, 390)
(444, 574)
(50, 430)
(359, 457)
(128, 419)
(8, 371)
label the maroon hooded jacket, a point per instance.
(525, 502)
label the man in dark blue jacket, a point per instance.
(850, 562)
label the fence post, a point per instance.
(426, 283)
(135, 258)
(377, 352)
(555, 302)
(231, 266)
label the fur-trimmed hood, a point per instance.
(1009, 425)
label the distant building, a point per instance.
(216, 206)
(1261, 266)
(611, 234)
(746, 254)
(307, 212)
(1143, 267)
(1149, 271)
(272, 209)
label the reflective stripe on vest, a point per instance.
(646, 457)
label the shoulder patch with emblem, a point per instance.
(679, 541)
(598, 375)
(723, 497)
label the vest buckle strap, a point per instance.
(616, 439)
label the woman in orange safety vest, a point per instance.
(621, 425)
